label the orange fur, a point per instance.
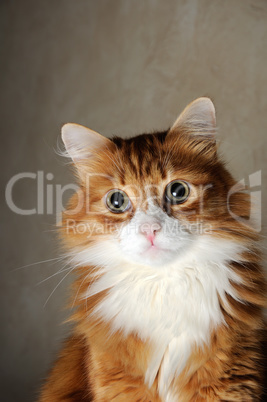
(97, 365)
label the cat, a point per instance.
(170, 292)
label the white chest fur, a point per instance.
(174, 306)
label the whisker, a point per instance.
(51, 294)
(74, 301)
(60, 271)
(39, 262)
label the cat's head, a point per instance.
(153, 198)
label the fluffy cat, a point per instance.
(169, 291)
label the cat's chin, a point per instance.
(153, 256)
(153, 252)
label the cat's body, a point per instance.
(170, 292)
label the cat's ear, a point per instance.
(83, 146)
(81, 143)
(198, 118)
(197, 125)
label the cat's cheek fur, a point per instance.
(181, 301)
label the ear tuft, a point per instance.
(197, 118)
(81, 142)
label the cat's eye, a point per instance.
(117, 201)
(177, 192)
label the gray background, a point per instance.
(118, 67)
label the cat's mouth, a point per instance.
(153, 251)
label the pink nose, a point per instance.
(150, 230)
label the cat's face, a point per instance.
(155, 210)
(150, 199)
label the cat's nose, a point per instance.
(149, 230)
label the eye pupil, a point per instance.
(178, 190)
(117, 200)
